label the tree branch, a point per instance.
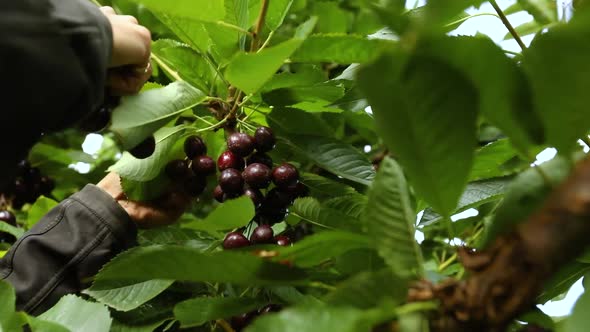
(507, 24)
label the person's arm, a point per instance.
(69, 245)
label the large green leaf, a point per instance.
(232, 214)
(40, 208)
(205, 10)
(15, 231)
(428, 125)
(525, 29)
(199, 311)
(562, 281)
(191, 32)
(339, 158)
(322, 187)
(544, 11)
(295, 121)
(368, 289)
(491, 161)
(77, 314)
(389, 220)
(189, 64)
(578, 321)
(191, 264)
(277, 10)
(525, 194)
(127, 297)
(250, 71)
(311, 210)
(560, 95)
(38, 325)
(139, 116)
(315, 318)
(317, 248)
(135, 169)
(340, 48)
(9, 321)
(120, 327)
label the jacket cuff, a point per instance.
(109, 212)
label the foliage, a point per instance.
(309, 69)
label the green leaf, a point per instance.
(320, 247)
(322, 94)
(578, 321)
(560, 95)
(189, 64)
(525, 29)
(441, 12)
(39, 209)
(324, 318)
(120, 327)
(131, 168)
(476, 194)
(562, 281)
(77, 314)
(9, 321)
(139, 116)
(231, 214)
(544, 11)
(199, 311)
(38, 325)
(513, 9)
(15, 231)
(324, 187)
(189, 31)
(250, 71)
(277, 10)
(190, 264)
(310, 210)
(174, 235)
(368, 289)
(389, 220)
(42, 153)
(127, 297)
(299, 122)
(526, 194)
(428, 132)
(334, 156)
(205, 10)
(491, 161)
(340, 48)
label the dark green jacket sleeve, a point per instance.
(53, 65)
(61, 253)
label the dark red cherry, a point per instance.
(47, 185)
(257, 176)
(195, 185)
(260, 158)
(255, 195)
(8, 217)
(264, 139)
(218, 194)
(282, 240)
(241, 144)
(203, 165)
(262, 234)
(230, 160)
(235, 240)
(177, 170)
(194, 146)
(231, 181)
(285, 175)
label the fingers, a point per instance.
(107, 10)
(129, 80)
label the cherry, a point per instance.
(144, 149)
(20, 187)
(264, 139)
(276, 198)
(285, 175)
(269, 308)
(195, 185)
(255, 195)
(194, 146)
(241, 144)
(296, 191)
(218, 194)
(203, 165)
(46, 185)
(257, 176)
(33, 175)
(271, 215)
(177, 170)
(8, 217)
(282, 240)
(235, 240)
(262, 234)
(23, 167)
(239, 322)
(231, 181)
(260, 158)
(229, 160)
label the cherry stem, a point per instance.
(508, 24)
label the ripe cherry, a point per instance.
(285, 175)
(8, 217)
(229, 159)
(282, 240)
(144, 149)
(257, 176)
(194, 146)
(296, 191)
(264, 139)
(235, 240)
(177, 170)
(262, 234)
(203, 165)
(260, 158)
(241, 144)
(255, 195)
(218, 194)
(195, 185)
(47, 185)
(231, 181)
(276, 198)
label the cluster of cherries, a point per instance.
(247, 169)
(194, 170)
(28, 185)
(9, 218)
(240, 322)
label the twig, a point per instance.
(259, 25)
(170, 71)
(225, 325)
(470, 16)
(507, 24)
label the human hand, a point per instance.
(160, 212)
(130, 64)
